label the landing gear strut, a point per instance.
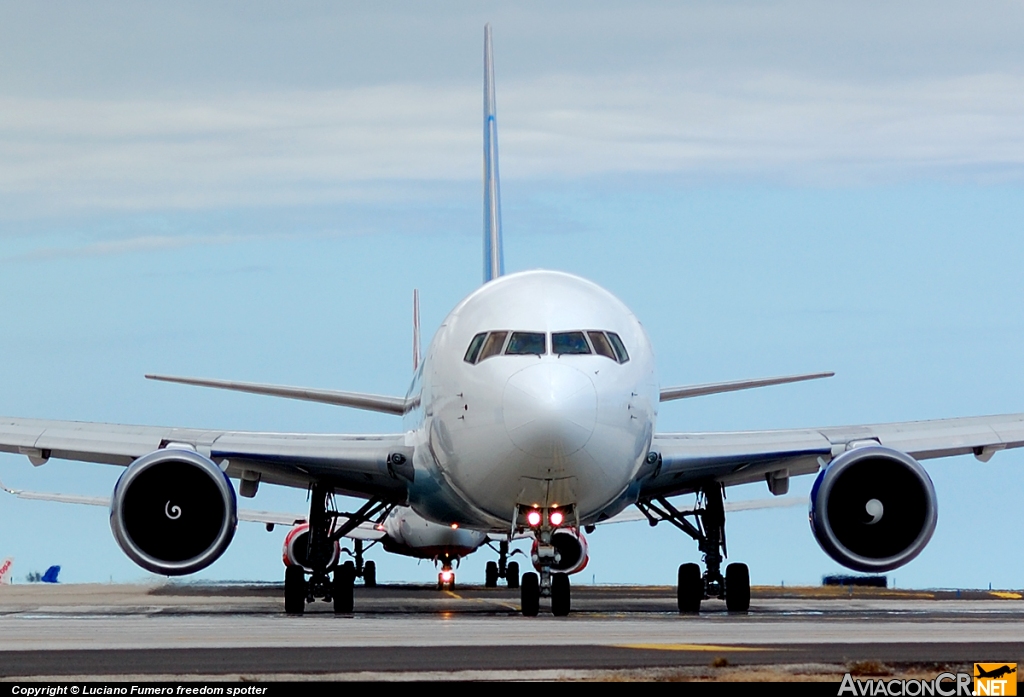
(365, 570)
(708, 529)
(549, 583)
(324, 531)
(502, 568)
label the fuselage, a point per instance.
(539, 389)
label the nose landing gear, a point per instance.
(546, 557)
(708, 529)
(446, 579)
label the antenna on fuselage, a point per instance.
(494, 255)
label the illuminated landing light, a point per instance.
(533, 518)
(556, 518)
(454, 526)
(446, 576)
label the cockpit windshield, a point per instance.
(526, 343)
(589, 342)
(569, 342)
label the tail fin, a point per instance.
(5, 570)
(51, 575)
(415, 329)
(494, 254)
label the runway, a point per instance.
(240, 631)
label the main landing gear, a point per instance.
(708, 529)
(324, 531)
(502, 568)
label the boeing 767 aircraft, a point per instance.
(533, 413)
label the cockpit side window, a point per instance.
(526, 343)
(620, 349)
(493, 345)
(474, 347)
(602, 346)
(569, 342)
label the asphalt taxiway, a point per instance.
(240, 631)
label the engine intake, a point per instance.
(296, 548)
(173, 512)
(570, 551)
(873, 509)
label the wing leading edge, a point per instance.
(687, 459)
(358, 465)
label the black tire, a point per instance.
(344, 583)
(530, 595)
(491, 575)
(294, 590)
(512, 574)
(690, 590)
(561, 595)
(737, 588)
(370, 574)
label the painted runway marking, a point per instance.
(686, 647)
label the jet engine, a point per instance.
(173, 512)
(873, 508)
(570, 551)
(296, 548)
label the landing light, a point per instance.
(533, 518)
(455, 526)
(556, 518)
(446, 575)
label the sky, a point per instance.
(252, 191)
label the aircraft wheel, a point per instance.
(690, 590)
(294, 590)
(530, 594)
(737, 588)
(344, 582)
(560, 595)
(369, 574)
(491, 575)
(512, 574)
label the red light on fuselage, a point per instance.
(556, 518)
(533, 518)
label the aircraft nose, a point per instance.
(549, 409)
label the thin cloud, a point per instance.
(323, 147)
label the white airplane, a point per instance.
(5, 570)
(533, 413)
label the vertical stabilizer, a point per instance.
(494, 255)
(5, 570)
(415, 329)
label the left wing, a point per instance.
(357, 465)
(364, 531)
(688, 459)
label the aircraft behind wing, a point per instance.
(533, 414)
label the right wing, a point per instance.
(355, 465)
(688, 459)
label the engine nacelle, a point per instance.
(873, 508)
(173, 512)
(570, 551)
(296, 548)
